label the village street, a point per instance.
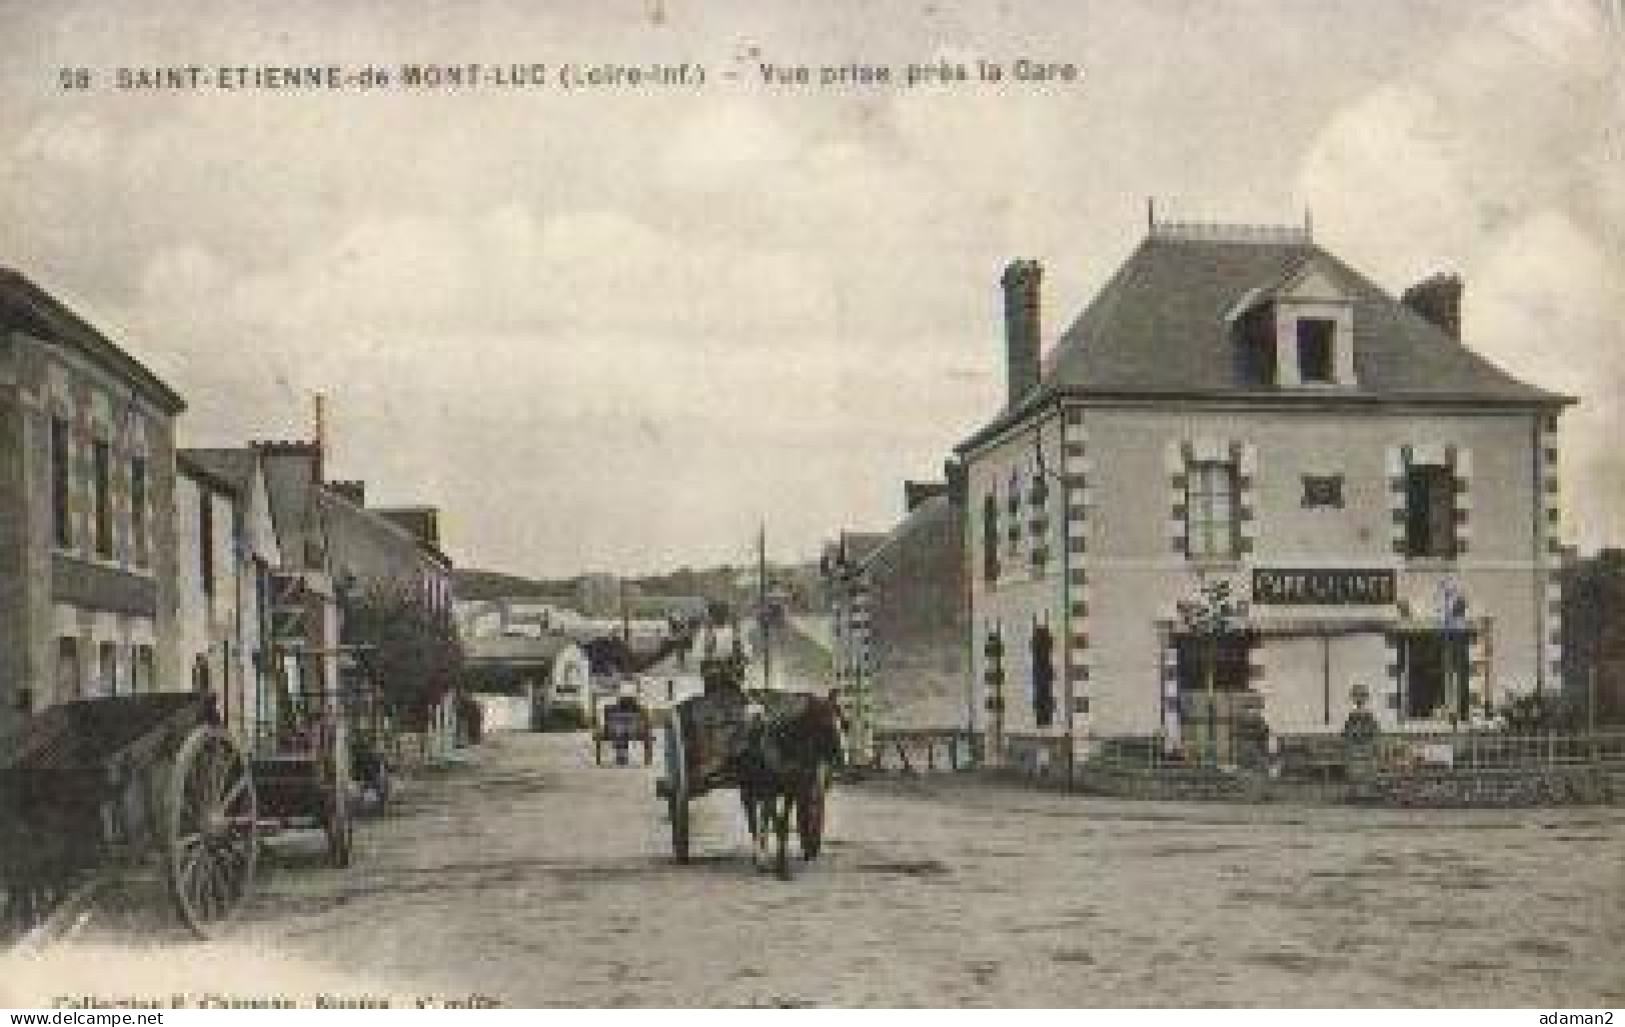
(532, 877)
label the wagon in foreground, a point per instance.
(97, 789)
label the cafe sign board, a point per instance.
(1290, 587)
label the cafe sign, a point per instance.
(1287, 587)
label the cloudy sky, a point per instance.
(616, 328)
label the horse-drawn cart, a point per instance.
(93, 789)
(725, 739)
(620, 724)
(302, 758)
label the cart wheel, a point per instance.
(810, 816)
(211, 819)
(677, 788)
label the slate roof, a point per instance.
(919, 522)
(301, 534)
(231, 467)
(1159, 329)
(858, 546)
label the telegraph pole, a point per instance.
(761, 606)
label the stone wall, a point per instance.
(1429, 787)
(1550, 786)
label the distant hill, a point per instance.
(469, 583)
(733, 585)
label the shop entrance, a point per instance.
(1208, 721)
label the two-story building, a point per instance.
(1238, 405)
(87, 477)
(228, 553)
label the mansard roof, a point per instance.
(1162, 328)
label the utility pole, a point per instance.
(761, 607)
(626, 620)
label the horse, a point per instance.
(791, 744)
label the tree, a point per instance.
(409, 651)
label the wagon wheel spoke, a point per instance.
(210, 850)
(229, 801)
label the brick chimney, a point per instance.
(1021, 326)
(953, 474)
(307, 454)
(1438, 298)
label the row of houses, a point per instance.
(129, 564)
(1244, 477)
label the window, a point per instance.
(1436, 675)
(107, 669)
(1210, 510)
(138, 512)
(205, 541)
(1043, 670)
(1038, 522)
(67, 669)
(101, 468)
(990, 538)
(61, 482)
(1316, 352)
(143, 674)
(1430, 512)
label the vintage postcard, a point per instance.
(887, 503)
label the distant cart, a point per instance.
(621, 724)
(93, 789)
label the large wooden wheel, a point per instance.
(209, 840)
(677, 787)
(811, 813)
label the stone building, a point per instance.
(1237, 405)
(228, 554)
(304, 618)
(87, 479)
(1594, 637)
(377, 546)
(852, 649)
(898, 617)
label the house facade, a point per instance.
(228, 553)
(898, 617)
(852, 646)
(303, 624)
(1238, 410)
(87, 479)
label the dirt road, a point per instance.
(537, 879)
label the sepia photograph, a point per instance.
(929, 504)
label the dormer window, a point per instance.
(1296, 333)
(1317, 351)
